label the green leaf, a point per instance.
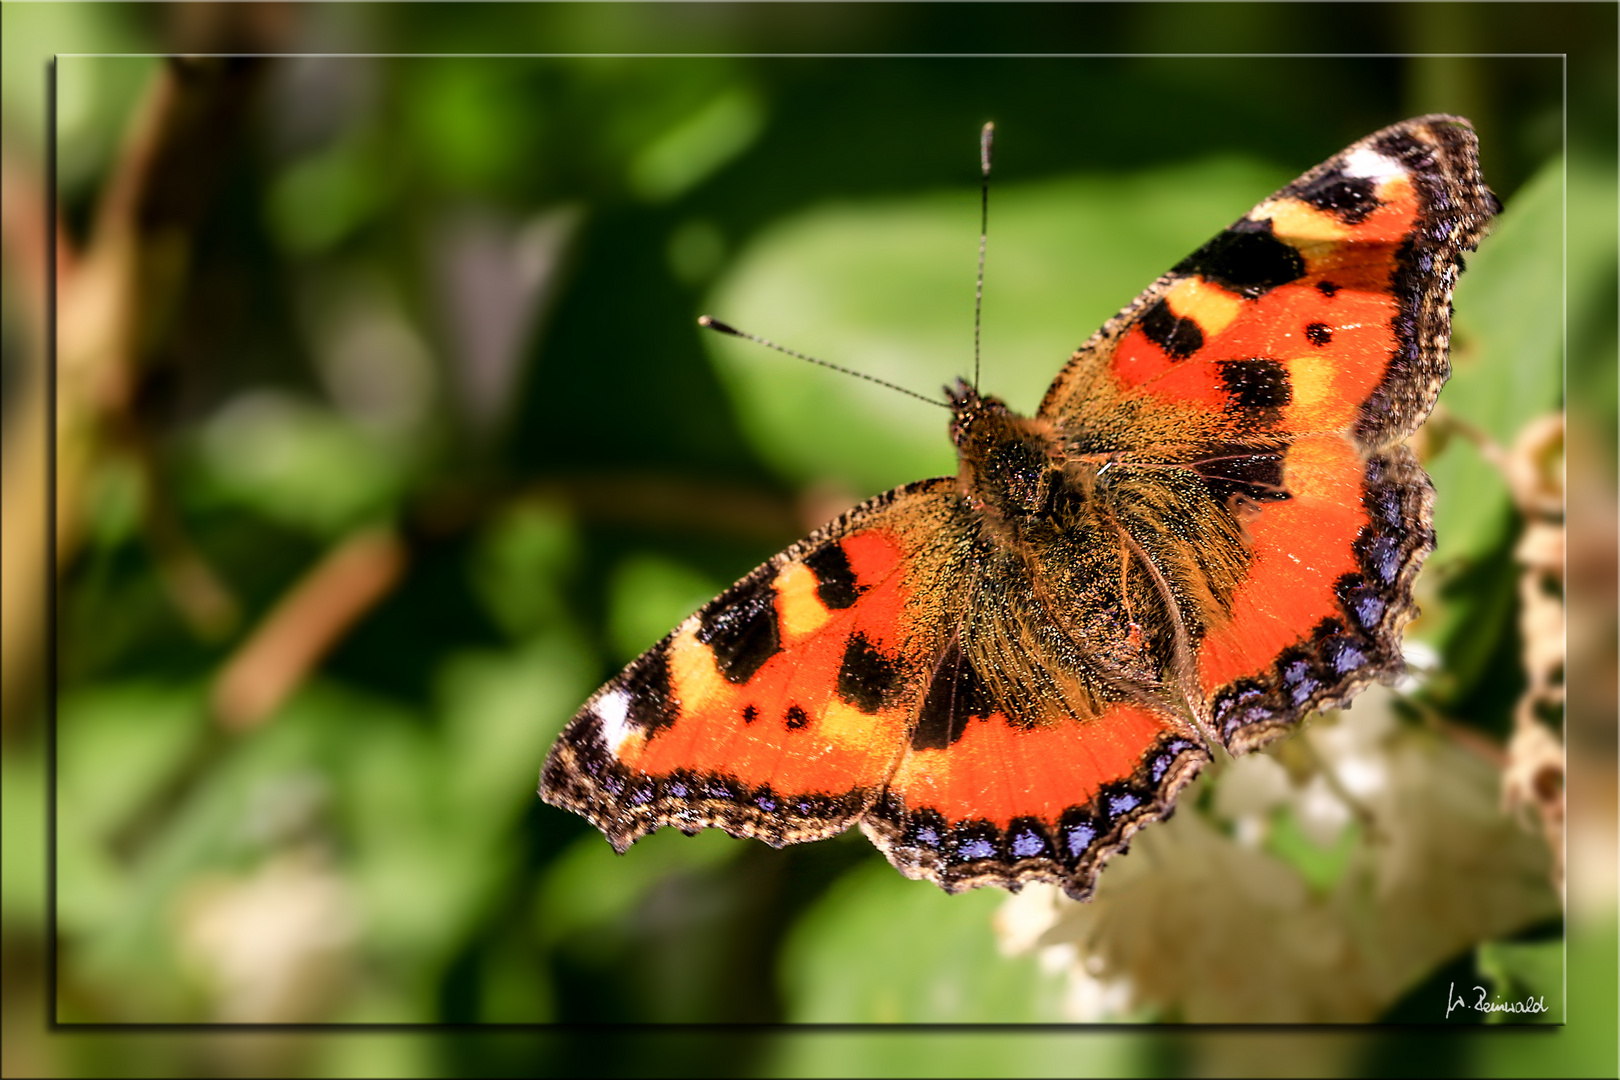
(501, 712)
(464, 115)
(880, 948)
(95, 96)
(520, 563)
(1522, 970)
(647, 596)
(1321, 867)
(1507, 371)
(321, 199)
(119, 743)
(298, 463)
(964, 1052)
(590, 892)
(701, 143)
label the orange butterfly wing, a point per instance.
(779, 710)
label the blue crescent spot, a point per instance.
(1118, 804)
(1348, 660)
(977, 849)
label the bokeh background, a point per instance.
(383, 433)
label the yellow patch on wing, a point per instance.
(1210, 306)
(692, 674)
(799, 610)
(1300, 223)
(845, 725)
(1396, 189)
(1310, 377)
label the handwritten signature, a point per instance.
(1532, 1004)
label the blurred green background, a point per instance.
(384, 434)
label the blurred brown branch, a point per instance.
(305, 624)
(25, 236)
(360, 570)
(117, 302)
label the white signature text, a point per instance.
(1533, 1004)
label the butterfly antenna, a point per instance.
(986, 137)
(710, 323)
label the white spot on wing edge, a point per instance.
(613, 710)
(1371, 165)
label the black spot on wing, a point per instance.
(1416, 156)
(1245, 704)
(1381, 556)
(1178, 337)
(925, 828)
(835, 580)
(1348, 198)
(742, 631)
(1299, 679)
(643, 693)
(1327, 288)
(955, 693)
(1256, 384)
(1247, 258)
(1257, 474)
(796, 717)
(867, 679)
(1319, 334)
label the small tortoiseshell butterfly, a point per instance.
(1209, 529)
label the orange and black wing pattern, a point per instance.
(779, 710)
(1283, 363)
(854, 678)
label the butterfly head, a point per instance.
(1009, 463)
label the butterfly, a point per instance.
(1208, 530)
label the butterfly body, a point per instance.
(1208, 530)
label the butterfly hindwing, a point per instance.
(1047, 729)
(995, 802)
